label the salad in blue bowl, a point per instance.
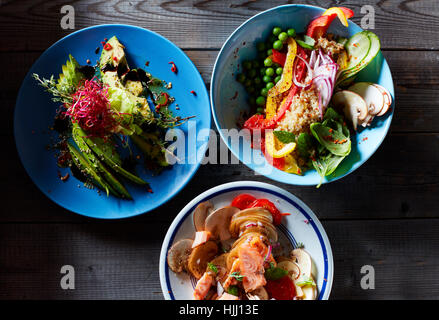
(312, 89)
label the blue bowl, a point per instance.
(229, 98)
(34, 114)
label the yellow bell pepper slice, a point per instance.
(274, 94)
(291, 165)
(340, 15)
(275, 148)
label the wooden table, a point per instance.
(384, 214)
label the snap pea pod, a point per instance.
(83, 165)
(77, 136)
(150, 146)
(110, 157)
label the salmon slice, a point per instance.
(252, 265)
(203, 286)
(200, 238)
(228, 296)
(232, 280)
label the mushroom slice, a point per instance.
(291, 267)
(372, 96)
(178, 255)
(200, 256)
(200, 214)
(217, 223)
(303, 260)
(387, 99)
(353, 105)
(258, 294)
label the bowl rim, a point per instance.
(246, 185)
(163, 200)
(237, 154)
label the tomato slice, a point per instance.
(243, 201)
(256, 121)
(268, 205)
(279, 57)
(282, 289)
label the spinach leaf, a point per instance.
(305, 145)
(284, 136)
(333, 140)
(275, 273)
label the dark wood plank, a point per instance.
(417, 94)
(400, 181)
(120, 260)
(34, 25)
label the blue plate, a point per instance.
(228, 97)
(34, 114)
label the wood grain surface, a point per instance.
(384, 214)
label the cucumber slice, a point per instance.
(374, 49)
(358, 47)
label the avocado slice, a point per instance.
(113, 55)
(114, 66)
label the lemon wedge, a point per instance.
(275, 148)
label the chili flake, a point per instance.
(163, 104)
(108, 46)
(174, 67)
(193, 92)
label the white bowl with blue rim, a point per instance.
(301, 227)
(229, 98)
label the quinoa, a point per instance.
(303, 112)
(328, 46)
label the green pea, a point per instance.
(260, 110)
(268, 62)
(266, 79)
(260, 46)
(260, 101)
(279, 71)
(269, 52)
(252, 73)
(269, 72)
(262, 71)
(240, 77)
(257, 81)
(247, 65)
(277, 31)
(264, 92)
(272, 39)
(278, 45)
(283, 36)
(291, 32)
(269, 85)
(277, 79)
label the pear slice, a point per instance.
(353, 105)
(372, 96)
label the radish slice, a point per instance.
(371, 94)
